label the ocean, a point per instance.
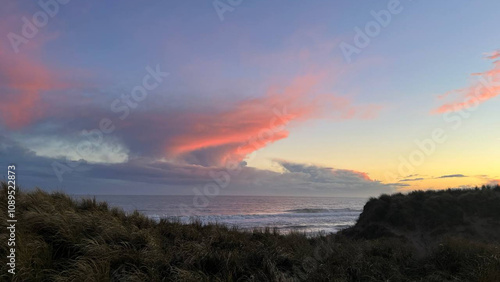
(304, 214)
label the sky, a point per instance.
(300, 98)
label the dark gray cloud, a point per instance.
(398, 184)
(326, 180)
(452, 176)
(412, 179)
(148, 176)
(161, 130)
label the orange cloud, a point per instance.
(484, 88)
(23, 78)
(252, 124)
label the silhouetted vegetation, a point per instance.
(61, 239)
(424, 215)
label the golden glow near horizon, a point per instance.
(468, 155)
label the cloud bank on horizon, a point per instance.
(156, 177)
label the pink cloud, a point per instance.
(253, 124)
(494, 55)
(23, 78)
(299, 82)
(485, 87)
(360, 174)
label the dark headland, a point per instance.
(449, 235)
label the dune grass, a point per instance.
(470, 213)
(62, 239)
